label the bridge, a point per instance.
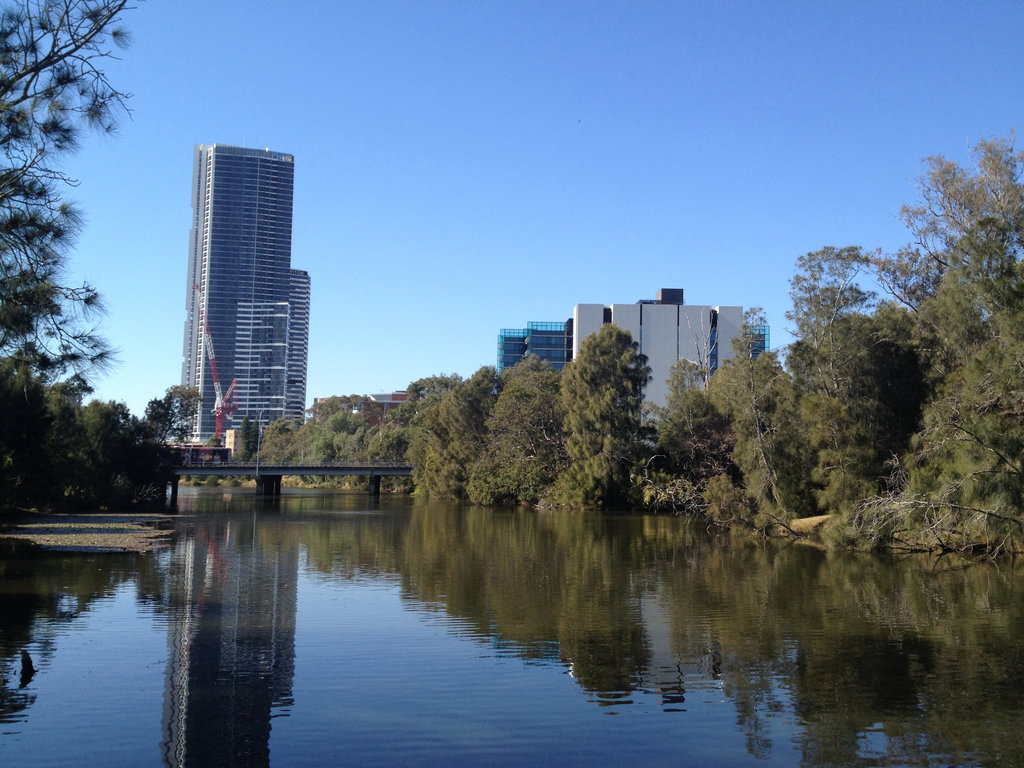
(268, 476)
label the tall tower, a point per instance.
(244, 338)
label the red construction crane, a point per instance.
(225, 403)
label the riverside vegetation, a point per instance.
(55, 448)
(898, 411)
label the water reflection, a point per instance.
(783, 654)
(231, 643)
(578, 589)
(42, 592)
(873, 659)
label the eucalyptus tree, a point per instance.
(122, 462)
(952, 201)
(856, 374)
(279, 443)
(824, 291)
(964, 475)
(169, 418)
(403, 436)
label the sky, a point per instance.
(463, 167)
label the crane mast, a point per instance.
(225, 403)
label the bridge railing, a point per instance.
(300, 464)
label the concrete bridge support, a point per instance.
(374, 486)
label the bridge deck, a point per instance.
(278, 470)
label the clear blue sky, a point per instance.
(463, 167)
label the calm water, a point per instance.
(331, 630)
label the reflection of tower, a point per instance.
(679, 656)
(231, 638)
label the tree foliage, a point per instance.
(52, 87)
(962, 481)
(952, 201)
(456, 436)
(525, 449)
(901, 419)
(248, 442)
(695, 442)
(169, 419)
(56, 451)
(404, 435)
(601, 397)
(857, 377)
(965, 475)
(25, 464)
(771, 453)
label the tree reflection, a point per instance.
(876, 659)
(41, 590)
(866, 660)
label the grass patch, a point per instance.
(809, 526)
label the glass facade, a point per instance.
(298, 344)
(511, 347)
(548, 341)
(241, 287)
(759, 341)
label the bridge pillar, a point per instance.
(174, 490)
(375, 486)
(268, 485)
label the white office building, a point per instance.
(666, 330)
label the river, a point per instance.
(331, 629)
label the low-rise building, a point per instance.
(665, 328)
(548, 341)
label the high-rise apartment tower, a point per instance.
(247, 310)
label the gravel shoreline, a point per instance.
(100, 532)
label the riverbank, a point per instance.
(100, 532)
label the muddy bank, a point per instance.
(102, 532)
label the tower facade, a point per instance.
(298, 344)
(247, 310)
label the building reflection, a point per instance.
(679, 657)
(231, 642)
